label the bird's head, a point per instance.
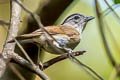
(77, 21)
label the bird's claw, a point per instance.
(70, 54)
(41, 65)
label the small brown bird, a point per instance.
(68, 34)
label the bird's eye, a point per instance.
(76, 17)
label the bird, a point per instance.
(68, 34)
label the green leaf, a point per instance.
(116, 1)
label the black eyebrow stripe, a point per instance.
(69, 17)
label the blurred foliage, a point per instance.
(4, 1)
(116, 1)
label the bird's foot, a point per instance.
(41, 65)
(70, 53)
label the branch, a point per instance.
(33, 68)
(6, 55)
(23, 62)
(60, 58)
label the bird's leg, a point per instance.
(70, 52)
(39, 55)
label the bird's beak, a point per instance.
(89, 18)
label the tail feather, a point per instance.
(24, 37)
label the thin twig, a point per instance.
(108, 10)
(24, 52)
(2, 22)
(87, 67)
(117, 16)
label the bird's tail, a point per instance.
(24, 37)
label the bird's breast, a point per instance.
(63, 40)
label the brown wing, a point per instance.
(51, 29)
(61, 29)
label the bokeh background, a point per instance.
(53, 14)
